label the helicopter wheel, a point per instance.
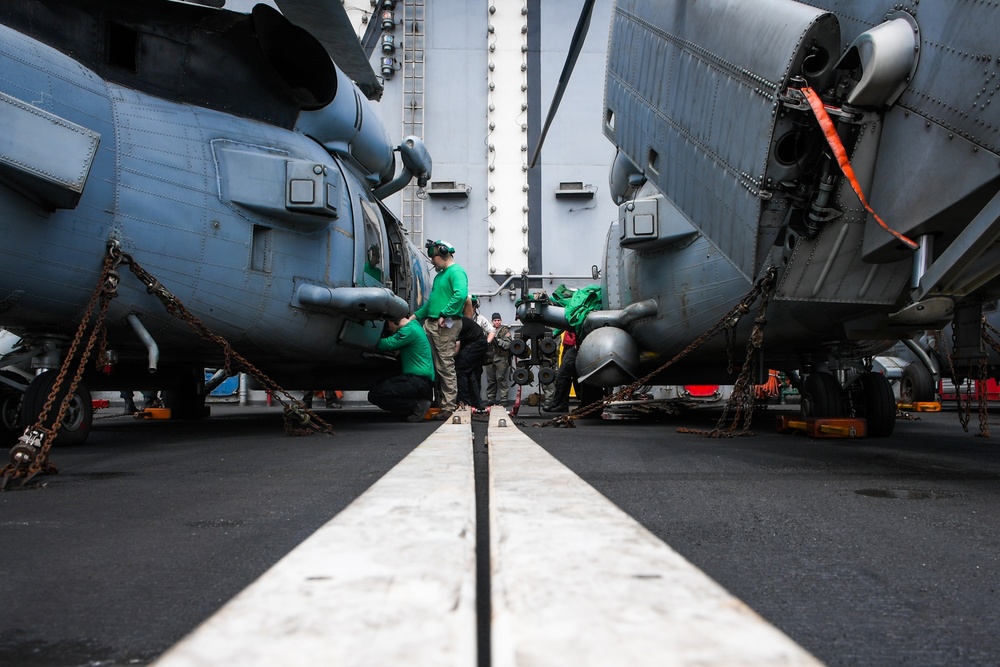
(873, 399)
(186, 399)
(822, 397)
(916, 384)
(588, 395)
(79, 415)
(10, 411)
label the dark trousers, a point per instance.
(565, 377)
(399, 394)
(469, 368)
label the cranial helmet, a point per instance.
(475, 301)
(439, 248)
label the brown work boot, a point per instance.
(443, 416)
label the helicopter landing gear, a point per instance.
(589, 395)
(916, 385)
(186, 399)
(10, 411)
(872, 398)
(79, 415)
(869, 396)
(822, 397)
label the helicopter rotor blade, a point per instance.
(328, 22)
(575, 47)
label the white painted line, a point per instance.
(576, 581)
(388, 581)
(391, 579)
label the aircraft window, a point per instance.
(123, 47)
(374, 261)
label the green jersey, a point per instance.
(414, 349)
(448, 294)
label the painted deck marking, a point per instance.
(576, 581)
(388, 581)
(391, 579)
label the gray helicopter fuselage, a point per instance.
(694, 286)
(706, 103)
(231, 214)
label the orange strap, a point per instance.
(833, 139)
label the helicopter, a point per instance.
(236, 159)
(841, 155)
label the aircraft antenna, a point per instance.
(575, 46)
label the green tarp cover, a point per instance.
(578, 303)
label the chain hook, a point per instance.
(115, 252)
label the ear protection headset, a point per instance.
(439, 248)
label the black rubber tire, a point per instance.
(878, 405)
(822, 397)
(588, 395)
(916, 384)
(10, 412)
(79, 417)
(186, 396)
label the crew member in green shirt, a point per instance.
(407, 395)
(442, 318)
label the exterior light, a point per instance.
(388, 66)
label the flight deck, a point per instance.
(392, 578)
(228, 542)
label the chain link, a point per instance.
(989, 335)
(982, 393)
(963, 410)
(743, 391)
(974, 383)
(298, 419)
(743, 397)
(30, 456)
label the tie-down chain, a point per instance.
(29, 457)
(742, 397)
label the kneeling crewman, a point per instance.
(407, 395)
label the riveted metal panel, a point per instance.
(692, 102)
(945, 113)
(48, 156)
